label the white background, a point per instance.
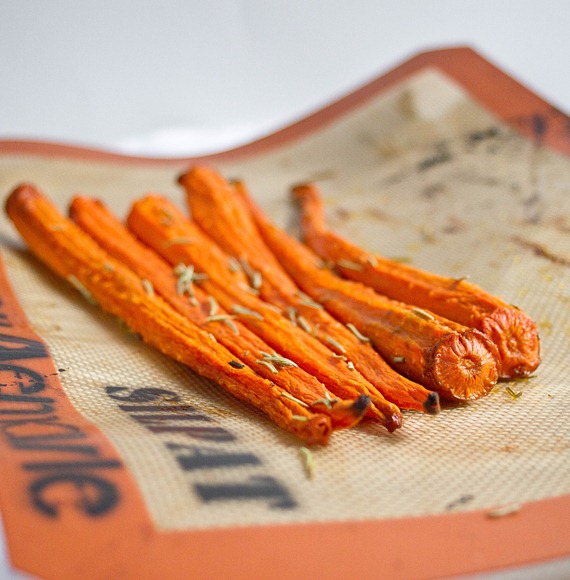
(180, 77)
(186, 77)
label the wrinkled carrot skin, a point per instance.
(97, 221)
(459, 363)
(68, 251)
(218, 208)
(146, 221)
(514, 333)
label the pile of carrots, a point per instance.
(317, 334)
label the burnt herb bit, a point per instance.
(236, 364)
(432, 406)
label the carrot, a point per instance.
(458, 362)
(159, 224)
(218, 209)
(514, 333)
(76, 257)
(96, 219)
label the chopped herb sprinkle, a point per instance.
(327, 401)
(148, 287)
(167, 217)
(423, 314)
(357, 333)
(278, 360)
(308, 301)
(234, 265)
(512, 393)
(350, 365)
(287, 395)
(237, 309)
(226, 319)
(249, 289)
(186, 277)
(254, 276)
(273, 307)
(326, 265)
(269, 365)
(308, 461)
(350, 265)
(372, 261)
(80, 288)
(213, 306)
(292, 314)
(399, 359)
(232, 325)
(304, 324)
(178, 242)
(503, 511)
(299, 418)
(336, 344)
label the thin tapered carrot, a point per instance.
(458, 362)
(109, 232)
(219, 210)
(514, 333)
(76, 257)
(147, 221)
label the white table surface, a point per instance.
(178, 78)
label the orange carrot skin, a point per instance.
(95, 219)
(466, 361)
(514, 333)
(145, 221)
(69, 252)
(212, 203)
(218, 208)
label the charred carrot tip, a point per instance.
(361, 405)
(431, 405)
(393, 422)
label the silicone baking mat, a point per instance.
(445, 162)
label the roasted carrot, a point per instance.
(219, 210)
(458, 362)
(76, 257)
(514, 333)
(158, 223)
(191, 301)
